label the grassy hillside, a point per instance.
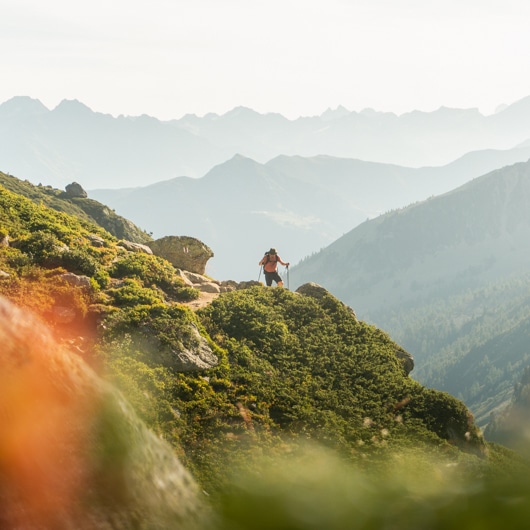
(303, 393)
(83, 208)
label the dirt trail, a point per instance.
(203, 300)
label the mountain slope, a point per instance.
(444, 277)
(302, 364)
(305, 401)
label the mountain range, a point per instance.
(74, 143)
(448, 278)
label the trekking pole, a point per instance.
(259, 275)
(287, 277)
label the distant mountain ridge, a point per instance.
(241, 207)
(71, 142)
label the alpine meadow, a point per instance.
(149, 378)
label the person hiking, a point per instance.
(270, 265)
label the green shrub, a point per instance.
(79, 262)
(130, 293)
(42, 247)
(153, 271)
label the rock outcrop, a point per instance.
(317, 291)
(406, 358)
(75, 190)
(193, 358)
(208, 285)
(183, 252)
(73, 453)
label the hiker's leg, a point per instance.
(280, 284)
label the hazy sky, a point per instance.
(167, 58)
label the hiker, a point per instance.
(270, 263)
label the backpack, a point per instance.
(270, 257)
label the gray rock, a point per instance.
(76, 280)
(134, 247)
(192, 358)
(195, 278)
(318, 292)
(184, 276)
(210, 287)
(312, 289)
(76, 190)
(229, 285)
(96, 241)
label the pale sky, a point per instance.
(167, 58)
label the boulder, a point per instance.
(200, 282)
(75, 190)
(183, 252)
(317, 291)
(312, 289)
(76, 280)
(229, 285)
(96, 241)
(210, 287)
(194, 278)
(73, 453)
(134, 247)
